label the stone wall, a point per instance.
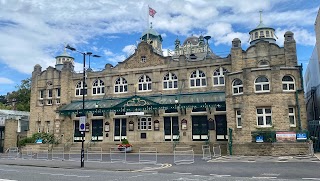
(11, 135)
(270, 149)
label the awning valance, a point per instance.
(149, 102)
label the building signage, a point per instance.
(259, 139)
(82, 123)
(39, 141)
(286, 136)
(301, 136)
(134, 113)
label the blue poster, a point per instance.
(259, 139)
(39, 140)
(301, 136)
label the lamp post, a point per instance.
(83, 115)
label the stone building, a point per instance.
(13, 126)
(192, 97)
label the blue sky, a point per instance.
(35, 31)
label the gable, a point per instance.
(143, 57)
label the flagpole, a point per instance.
(148, 13)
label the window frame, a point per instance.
(41, 94)
(147, 126)
(123, 84)
(144, 82)
(220, 74)
(171, 78)
(292, 114)
(238, 117)
(58, 92)
(198, 78)
(98, 86)
(49, 95)
(79, 87)
(237, 87)
(264, 116)
(288, 83)
(261, 84)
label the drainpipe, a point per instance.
(297, 97)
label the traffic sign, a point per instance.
(82, 123)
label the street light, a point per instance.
(83, 116)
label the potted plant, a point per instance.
(125, 145)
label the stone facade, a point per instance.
(149, 98)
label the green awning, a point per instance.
(149, 102)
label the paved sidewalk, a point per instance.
(296, 158)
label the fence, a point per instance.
(183, 155)
(75, 154)
(12, 153)
(27, 153)
(216, 151)
(117, 155)
(58, 153)
(206, 153)
(42, 154)
(148, 155)
(94, 154)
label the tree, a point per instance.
(20, 99)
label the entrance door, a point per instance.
(97, 128)
(171, 128)
(199, 128)
(1, 139)
(221, 125)
(120, 129)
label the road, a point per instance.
(236, 168)
(23, 173)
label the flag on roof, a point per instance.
(152, 12)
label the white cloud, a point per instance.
(129, 49)
(302, 36)
(32, 32)
(4, 80)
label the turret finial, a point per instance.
(260, 16)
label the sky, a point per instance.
(36, 31)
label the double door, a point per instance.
(199, 128)
(97, 130)
(120, 129)
(171, 128)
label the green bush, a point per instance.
(46, 138)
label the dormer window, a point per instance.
(143, 59)
(255, 35)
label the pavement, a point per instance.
(131, 162)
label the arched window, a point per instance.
(262, 84)
(198, 79)
(79, 90)
(170, 81)
(98, 87)
(288, 83)
(237, 87)
(120, 85)
(145, 83)
(218, 76)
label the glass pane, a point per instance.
(239, 121)
(290, 110)
(170, 84)
(197, 82)
(258, 87)
(125, 88)
(238, 112)
(221, 80)
(140, 86)
(291, 118)
(121, 89)
(268, 111)
(260, 120)
(284, 87)
(259, 111)
(192, 83)
(235, 90)
(116, 89)
(291, 86)
(149, 86)
(215, 81)
(175, 84)
(145, 87)
(204, 82)
(164, 85)
(268, 120)
(240, 89)
(266, 87)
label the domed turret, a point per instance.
(61, 59)
(262, 32)
(153, 38)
